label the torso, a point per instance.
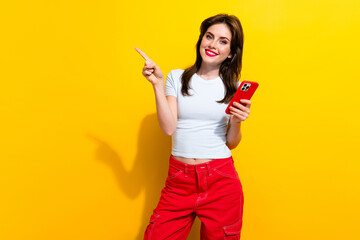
(202, 122)
(192, 161)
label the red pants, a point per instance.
(212, 191)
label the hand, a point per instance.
(151, 71)
(240, 112)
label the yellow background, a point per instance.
(82, 155)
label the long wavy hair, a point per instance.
(230, 69)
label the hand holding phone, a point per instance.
(245, 91)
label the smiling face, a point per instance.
(215, 44)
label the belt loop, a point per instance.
(186, 170)
(208, 168)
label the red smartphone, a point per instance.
(245, 91)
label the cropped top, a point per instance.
(202, 122)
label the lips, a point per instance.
(210, 53)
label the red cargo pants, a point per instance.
(212, 191)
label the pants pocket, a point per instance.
(233, 231)
(227, 170)
(173, 172)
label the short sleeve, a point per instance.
(238, 84)
(171, 85)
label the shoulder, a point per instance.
(176, 72)
(175, 75)
(173, 82)
(238, 83)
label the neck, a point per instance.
(208, 73)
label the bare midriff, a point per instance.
(192, 161)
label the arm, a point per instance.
(166, 107)
(238, 113)
(233, 136)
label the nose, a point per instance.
(212, 44)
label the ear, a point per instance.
(230, 55)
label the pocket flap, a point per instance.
(233, 229)
(153, 217)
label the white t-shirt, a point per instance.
(202, 122)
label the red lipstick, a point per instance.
(210, 55)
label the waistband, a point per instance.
(215, 163)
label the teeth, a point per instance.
(211, 53)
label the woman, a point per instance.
(202, 180)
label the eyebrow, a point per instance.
(220, 37)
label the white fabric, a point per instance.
(202, 122)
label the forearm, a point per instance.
(233, 136)
(166, 118)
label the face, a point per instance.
(215, 44)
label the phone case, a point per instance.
(245, 91)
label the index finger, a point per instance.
(142, 54)
(246, 101)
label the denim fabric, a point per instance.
(212, 191)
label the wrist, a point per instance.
(234, 122)
(159, 87)
(158, 84)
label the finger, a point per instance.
(149, 65)
(239, 112)
(147, 72)
(238, 116)
(142, 54)
(245, 101)
(242, 107)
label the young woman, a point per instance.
(202, 180)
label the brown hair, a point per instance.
(231, 67)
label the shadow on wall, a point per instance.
(149, 170)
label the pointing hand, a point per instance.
(151, 71)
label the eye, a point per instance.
(224, 42)
(207, 36)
